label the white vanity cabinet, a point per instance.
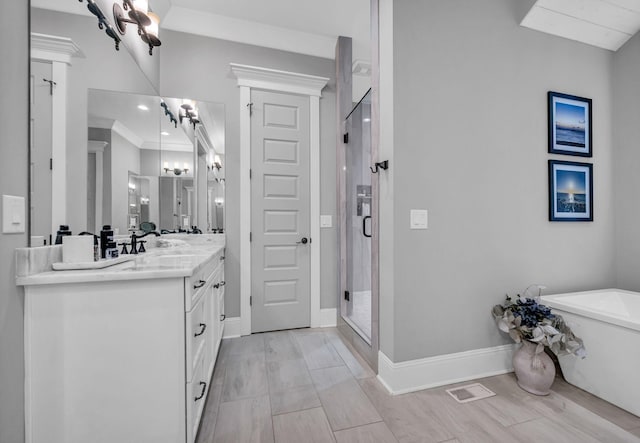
(126, 358)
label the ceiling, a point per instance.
(303, 26)
(606, 24)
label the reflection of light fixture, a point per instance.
(144, 200)
(143, 107)
(219, 201)
(132, 186)
(217, 162)
(176, 168)
(188, 110)
(138, 14)
(167, 112)
(165, 133)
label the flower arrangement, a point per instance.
(524, 319)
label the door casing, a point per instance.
(252, 77)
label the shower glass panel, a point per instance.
(356, 305)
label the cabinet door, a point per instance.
(196, 328)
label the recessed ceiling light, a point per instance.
(143, 107)
(366, 120)
(164, 133)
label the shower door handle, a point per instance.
(364, 226)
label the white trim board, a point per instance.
(425, 373)
(251, 77)
(232, 327)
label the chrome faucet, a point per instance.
(134, 241)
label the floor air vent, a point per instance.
(473, 392)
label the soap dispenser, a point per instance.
(106, 237)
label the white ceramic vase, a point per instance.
(535, 372)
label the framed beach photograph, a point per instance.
(570, 129)
(570, 191)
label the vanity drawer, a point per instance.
(195, 335)
(196, 393)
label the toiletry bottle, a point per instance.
(64, 230)
(96, 251)
(112, 250)
(106, 236)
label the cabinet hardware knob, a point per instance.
(222, 317)
(203, 327)
(199, 284)
(204, 388)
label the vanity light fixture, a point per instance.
(188, 110)
(217, 162)
(137, 13)
(176, 168)
(143, 107)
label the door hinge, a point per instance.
(345, 138)
(51, 164)
(250, 173)
(346, 295)
(251, 300)
(250, 236)
(250, 106)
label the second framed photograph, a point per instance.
(570, 128)
(570, 191)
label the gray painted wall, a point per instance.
(470, 146)
(14, 145)
(198, 68)
(626, 115)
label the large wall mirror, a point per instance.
(106, 149)
(154, 163)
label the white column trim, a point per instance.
(252, 77)
(97, 147)
(58, 51)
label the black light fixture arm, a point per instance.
(379, 165)
(103, 23)
(167, 112)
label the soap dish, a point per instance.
(61, 266)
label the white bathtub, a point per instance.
(608, 320)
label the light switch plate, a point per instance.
(13, 214)
(419, 219)
(326, 221)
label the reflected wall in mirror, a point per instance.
(123, 160)
(62, 156)
(192, 173)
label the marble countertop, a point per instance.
(169, 257)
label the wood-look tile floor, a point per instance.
(308, 385)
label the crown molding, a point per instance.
(54, 48)
(273, 79)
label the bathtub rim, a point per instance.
(555, 302)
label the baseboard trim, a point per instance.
(328, 318)
(415, 375)
(232, 327)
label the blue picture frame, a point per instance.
(570, 191)
(570, 124)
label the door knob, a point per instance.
(304, 241)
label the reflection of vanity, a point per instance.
(125, 354)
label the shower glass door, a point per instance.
(356, 304)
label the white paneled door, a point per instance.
(280, 227)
